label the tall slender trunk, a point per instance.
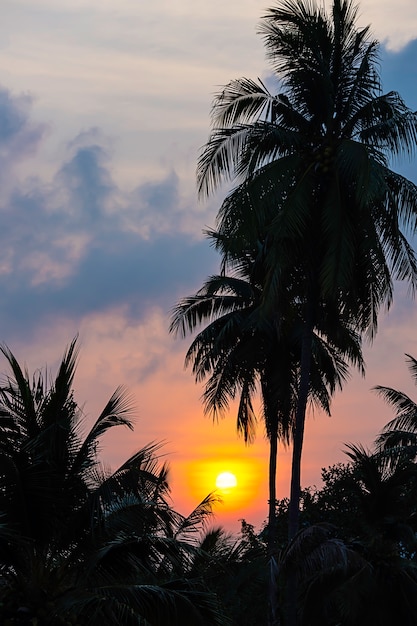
(291, 602)
(272, 528)
(305, 366)
(272, 522)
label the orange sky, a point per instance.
(169, 410)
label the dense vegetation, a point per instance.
(82, 545)
(311, 238)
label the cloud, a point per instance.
(78, 242)
(86, 178)
(19, 137)
(395, 24)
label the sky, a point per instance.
(104, 107)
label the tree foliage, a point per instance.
(80, 544)
(355, 558)
(314, 194)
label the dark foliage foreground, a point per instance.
(355, 559)
(80, 544)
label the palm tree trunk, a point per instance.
(305, 365)
(272, 528)
(294, 506)
(272, 523)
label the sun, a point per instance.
(226, 480)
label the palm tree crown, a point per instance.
(314, 159)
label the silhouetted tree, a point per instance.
(317, 156)
(80, 544)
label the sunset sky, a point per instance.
(104, 105)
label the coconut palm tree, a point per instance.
(241, 350)
(316, 155)
(236, 352)
(80, 544)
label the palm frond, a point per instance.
(196, 522)
(117, 412)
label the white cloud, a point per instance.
(393, 23)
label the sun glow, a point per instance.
(198, 477)
(226, 480)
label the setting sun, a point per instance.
(226, 480)
(200, 477)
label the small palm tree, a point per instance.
(80, 544)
